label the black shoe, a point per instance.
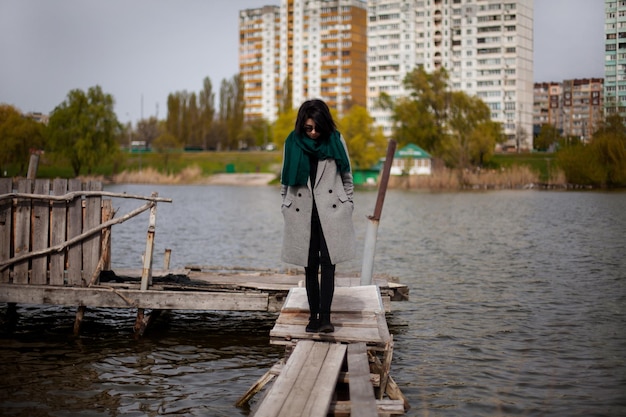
(325, 325)
(313, 325)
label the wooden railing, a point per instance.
(57, 232)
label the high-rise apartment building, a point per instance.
(548, 105)
(574, 107)
(615, 57)
(582, 107)
(259, 35)
(485, 45)
(349, 52)
(303, 49)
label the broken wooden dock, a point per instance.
(55, 250)
(343, 373)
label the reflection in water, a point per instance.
(518, 304)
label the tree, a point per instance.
(83, 129)
(548, 135)
(421, 117)
(472, 136)
(366, 144)
(19, 136)
(283, 126)
(148, 130)
(166, 144)
(206, 104)
(231, 114)
(602, 162)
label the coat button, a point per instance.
(334, 205)
(297, 209)
(330, 191)
(299, 194)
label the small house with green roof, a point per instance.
(411, 160)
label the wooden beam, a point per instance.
(100, 296)
(361, 389)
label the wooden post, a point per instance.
(33, 165)
(74, 228)
(58, 230)
(41, 232)
(166, 260)
(146, 273)
(6, 225)
(22, 232)
(367, 268)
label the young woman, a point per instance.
(317, 206)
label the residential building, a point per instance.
(615, 57)
(303, 49)
(485, 45)
(574, 107)
(349, 52)
(548, 105)
(582, 107)
(259, 33)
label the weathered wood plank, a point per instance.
(92, 218)
(107, 214)
(385, 408)
(346, 299)
(356, 313)
(283, 334)
(127, 298)
(74, 228)
(22, 232)
(261, 382)
(318, 402)
(41, 233)
(58, 230)
(273, 401)
(306, 383)
(361, 389)
(6, 225)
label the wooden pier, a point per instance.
(55, 250)
(343, 373)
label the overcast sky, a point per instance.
(140, 51)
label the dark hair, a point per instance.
(318, 111)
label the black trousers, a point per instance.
(319, 292)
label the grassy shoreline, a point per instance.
(508, 171)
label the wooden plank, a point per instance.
(357, 314)
(319, 400)
(107, 214)
(385, 408)
(305, 385)
(58, 230)
(282, 334)
(345, 299)
(126, 298)
(6, 225)
(273, 401)
(22, 232)
(361, 389)
(92, 218)
(74, 228)
(41, 233)
(261, 382)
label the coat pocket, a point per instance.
(286, 203)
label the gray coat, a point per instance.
(333, 197)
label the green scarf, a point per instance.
(296, 165)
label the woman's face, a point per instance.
(310, 129)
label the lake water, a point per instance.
(517, 307)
